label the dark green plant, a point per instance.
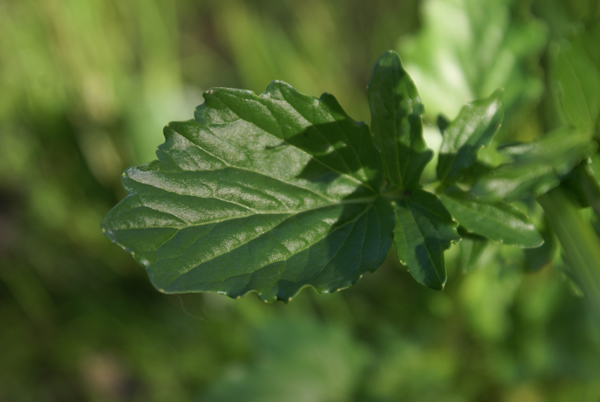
(279, 191)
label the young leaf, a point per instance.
(266, 193)
(424, 229)
(473, 128)
(497, 221)
(396, 111)
(537, 166)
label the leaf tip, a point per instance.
(439, 286)
(388, 58)
(278, 84)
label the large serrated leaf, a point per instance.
(266, 193)
(473, 128)
(497, 221)
(424, 229)
(396, 111)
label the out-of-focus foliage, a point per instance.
(87, 86)
(576, 73)
(467, 49)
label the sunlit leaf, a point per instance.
(537, 166)
(473, 128)
(497, 221)
(424, 229)
(265, 193)
(396, 111)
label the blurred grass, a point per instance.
(86, 87)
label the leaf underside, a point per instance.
(268, 193)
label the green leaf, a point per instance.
(497, 221)
(537, 166)
(424, 229)
(580, 243)
(576, 71)
(473, 128)
(266, 193)
(396, 111)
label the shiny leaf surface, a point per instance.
(497, 221)
(396, 111)
(537, 166)
(473, 128)
(266, 193)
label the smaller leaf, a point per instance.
(537, 166)
(514, 182)
(424, 229)
(497, 221)
(396, 111)
(473, 129)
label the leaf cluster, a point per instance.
(275, 192)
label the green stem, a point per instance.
(579, 241)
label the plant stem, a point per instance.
(580, 243)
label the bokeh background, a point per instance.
(85, 89)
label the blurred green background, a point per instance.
(85, 89)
